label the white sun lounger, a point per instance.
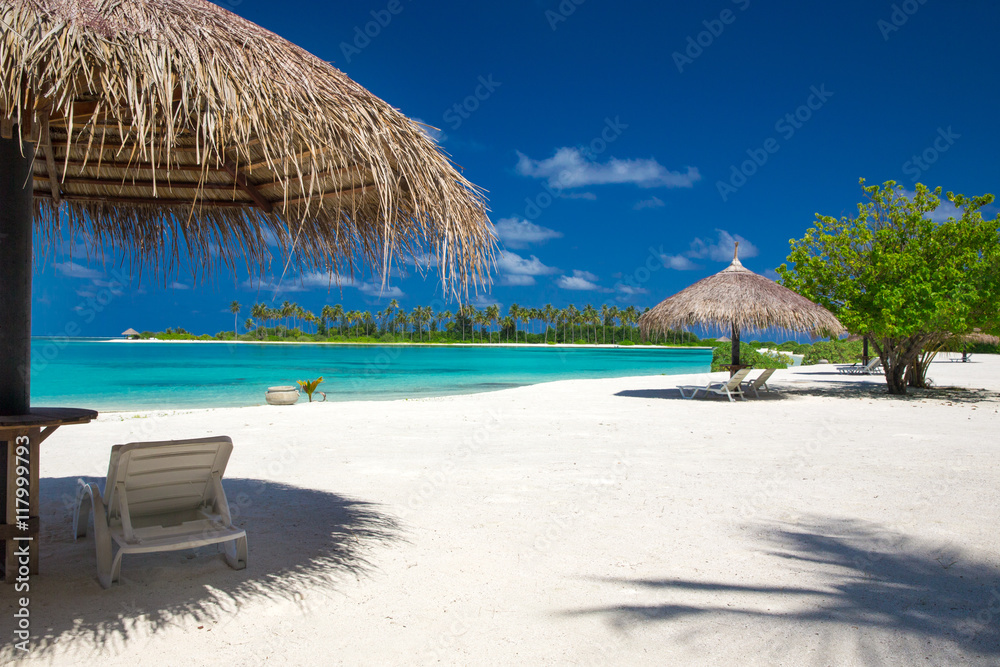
(874, 367)
(759, 382)
(160, 496)
(728, 389)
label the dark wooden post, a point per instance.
(735, 335)
(16, 184)
(864, 352)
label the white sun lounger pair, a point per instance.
(873, 367)
(737, 385)
(729, 389)
(160, 496)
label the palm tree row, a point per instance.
(601, 325)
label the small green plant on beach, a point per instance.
(309, 386)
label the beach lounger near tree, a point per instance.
(759, 382)
(728, 389)
(160, 496)
(873, 367)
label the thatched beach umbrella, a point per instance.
(977, 336)
(739, 300)
(173, 127)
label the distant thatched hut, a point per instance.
(131, 334)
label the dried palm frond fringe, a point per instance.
(739, 297)
(172, 126)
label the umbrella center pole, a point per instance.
(16, 184)
(735, 357)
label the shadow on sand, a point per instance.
(854, 574)
(302, 543)
(833, 388)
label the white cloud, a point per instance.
(517, 233)
(772, 274)
(719, 249)
(482, 301)
(74, 270)
(424, 261)
(85, 294)
(655, 202)
(80, 246)
(272, 285)
(570, 168)
(514, 280)
(580, 280)
(387, 292)
(318, 279)
(944, 210)
(178, 286)
(512, 263)
(433, 133)
(275, 241)
(678, 263)
(630, 290)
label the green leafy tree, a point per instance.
(894, 274)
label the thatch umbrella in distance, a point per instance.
(976, 336)
(740, 300)
(131, 333)
(170, 127)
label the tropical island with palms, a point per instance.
(588, 325)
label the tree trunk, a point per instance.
(897, 355)
(916, 374)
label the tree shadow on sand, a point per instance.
(854, 574)
(302, 543)
(832, 388)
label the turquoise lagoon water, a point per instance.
(132, 376)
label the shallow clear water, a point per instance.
(135, 376)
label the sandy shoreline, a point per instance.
(575, 522)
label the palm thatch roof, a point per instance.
(977, 336)
(740, 299)
(131, 332)
(170, 127)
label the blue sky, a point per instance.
(624, 146)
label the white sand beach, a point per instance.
(577, 522)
